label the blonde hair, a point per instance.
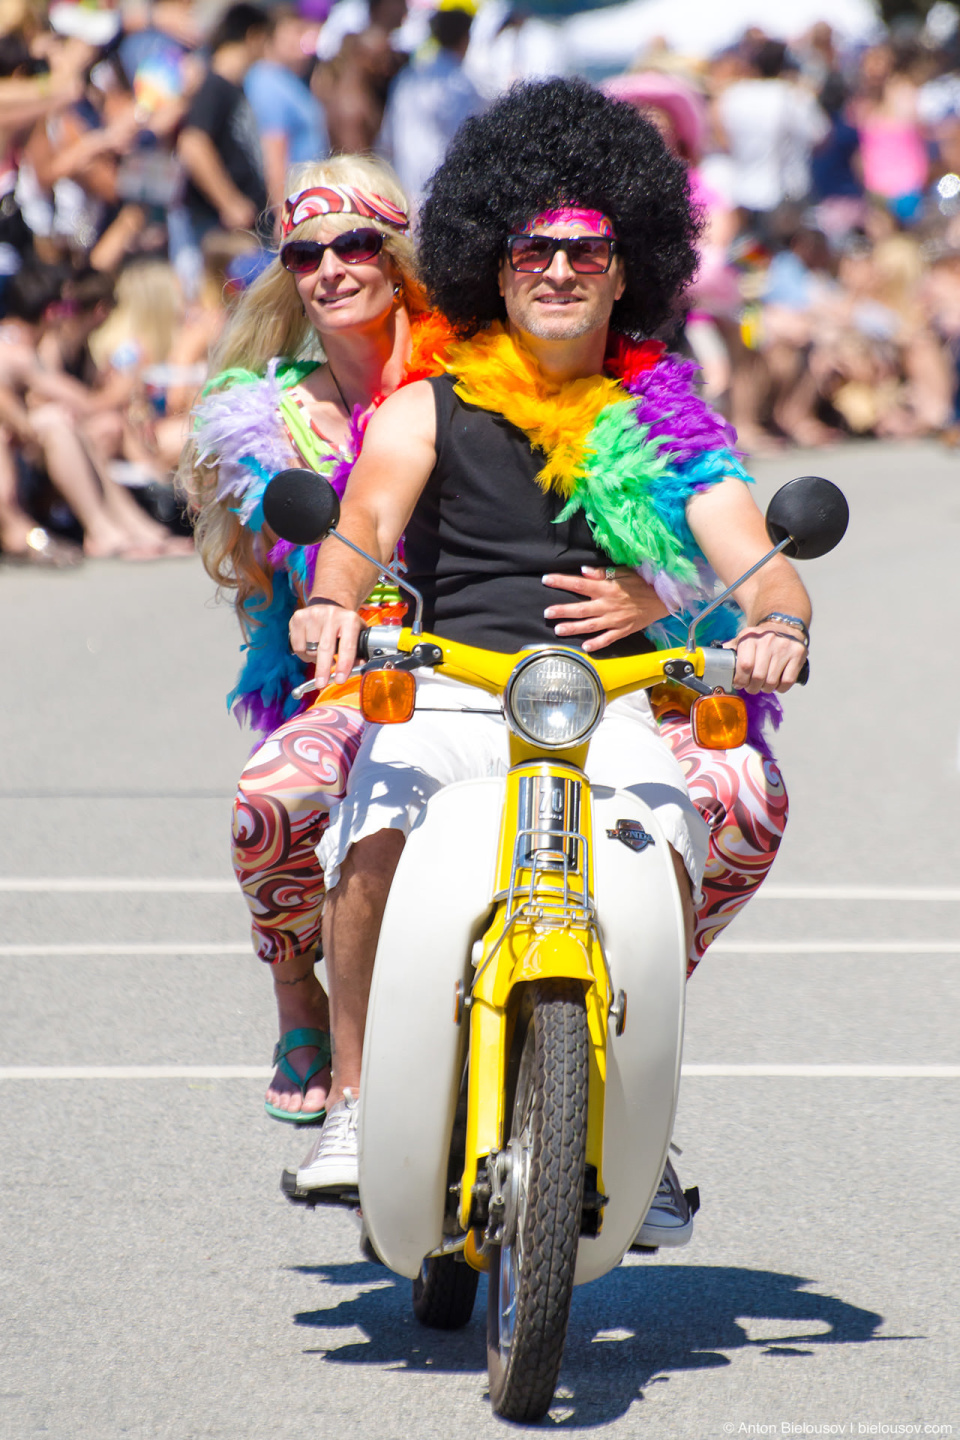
(148, 310)
(268, 322)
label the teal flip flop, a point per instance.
(293, 1040)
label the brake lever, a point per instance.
(299, 691)
(683, 673)
(419, 658)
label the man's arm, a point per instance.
(276, 152)
(398, 455)
(207, 171)
(730, 531)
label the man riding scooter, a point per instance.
(556, 445)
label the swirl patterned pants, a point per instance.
(742, 797)
(290, 782)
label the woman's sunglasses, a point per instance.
(587, 254)
(353, 247)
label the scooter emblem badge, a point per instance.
(632, 834)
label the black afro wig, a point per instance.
(539, 146)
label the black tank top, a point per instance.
(483, 534)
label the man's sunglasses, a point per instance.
(353, 247)
(587, 254)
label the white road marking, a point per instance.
(722, 947)
(909, 893)
(104, 885)
(173, 947)
(829, 1072)
(693, 1071)
(134, 1072)
(77, 885)
(835, 947)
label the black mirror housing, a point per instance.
(812, 512)
(300, 506)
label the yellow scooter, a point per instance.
(529, 981)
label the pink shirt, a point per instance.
(894, 157)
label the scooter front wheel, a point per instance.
(530, 1283)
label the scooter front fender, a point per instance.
(414, 1050)
(641, 921)
(557, 955)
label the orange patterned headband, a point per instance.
(335, 200)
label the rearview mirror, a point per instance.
(806, 518)
(811, 514)
(300, 506)
(303, 508)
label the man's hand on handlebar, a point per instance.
(326, 634)
(769, 657)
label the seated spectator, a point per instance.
(876, 357)
(75, 155)
(44, 408)
(940, 293)
(231, 263)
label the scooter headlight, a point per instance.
(554, 699)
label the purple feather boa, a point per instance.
(253, 713)
(338, 478)
(684, 424)
(763, 710)
(238, 430)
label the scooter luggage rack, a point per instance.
(548, 906)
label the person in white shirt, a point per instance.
(430, 99)
(771, 126)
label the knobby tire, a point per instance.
(554, 1066)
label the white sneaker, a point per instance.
(669, 1221)
(333, 1161)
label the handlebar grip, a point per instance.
(363, 640)
(804, 675)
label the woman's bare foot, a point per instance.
(753, 440)
(811, 434)
(301, 1004)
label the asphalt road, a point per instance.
(155, 1284)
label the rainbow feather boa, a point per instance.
(628, 448)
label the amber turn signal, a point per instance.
(387, 697)
(719, 722)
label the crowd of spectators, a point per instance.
(143, 155)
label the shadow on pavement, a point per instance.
(634, 1328)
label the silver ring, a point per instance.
(610, 573)
(312, 645)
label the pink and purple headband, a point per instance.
(335, 200)
(595, 220)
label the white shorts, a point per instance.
(458, 733)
